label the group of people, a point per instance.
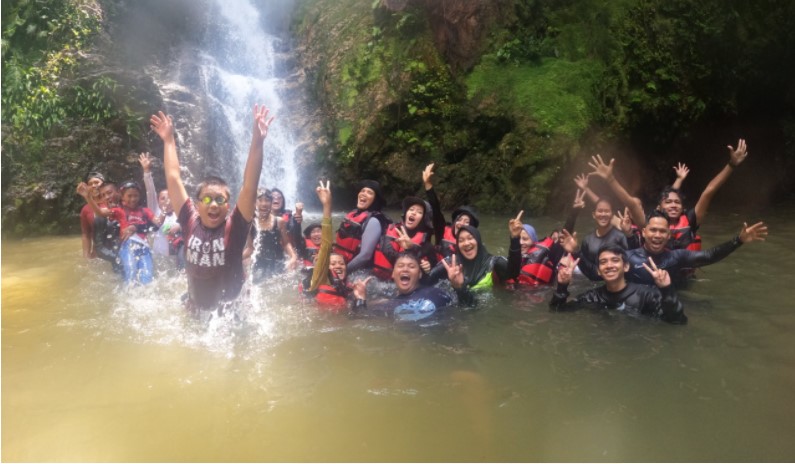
(424, 263)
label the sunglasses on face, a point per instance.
(219, 200)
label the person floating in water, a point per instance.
(214, 240)
(659, 301)
(328, 283)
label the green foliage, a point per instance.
(558, 94)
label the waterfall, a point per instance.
(214, 84)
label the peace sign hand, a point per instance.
(455, 273)
(566, 269)
(579, 199)
(625, 221)
(324, 192)
(661, 277)
(515, 225)
(569, 241)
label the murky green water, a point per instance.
(91, 372)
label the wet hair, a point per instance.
(612, 248)
(212, 181)
(669, 190)
(284, 199)
(263, 192)
(605, 200)
(95, 175)
(128, 185)
(411, 254)
(660, 214)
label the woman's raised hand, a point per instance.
(162, 125)
(261, 121)
(515, 225)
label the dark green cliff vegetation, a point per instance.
(508, 97)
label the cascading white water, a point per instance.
(240, 68)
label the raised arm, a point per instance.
(682, 171)
(164, 127)
(736, 156)
(438, 217)
(149, 183)
(248, 192)
(605, 171)
(320, 272)
(582, 184)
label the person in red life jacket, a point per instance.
(308, 247)
(93, 182)
(214, 240)
(444, 233)
(135, 222)
(268, 242)
(541, 257)
(293, 221)
(413, 233)
(328, 285)
(362, 228)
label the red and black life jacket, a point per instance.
(683, 237)
(311, 253)
(330, 298)
(349, 236)
(447, 247)
(382, 267)
(539, 270)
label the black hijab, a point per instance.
(474, 269)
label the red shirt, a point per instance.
(213, 257)
(132, 217)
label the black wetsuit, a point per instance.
(589, 249)
(422, 303)
(106, 241)
(635, 298)
(674, 261)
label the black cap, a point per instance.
(469, 211)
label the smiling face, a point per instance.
(671, 205)
(277, 202)
(525, 241)
(612, 267)
(467, 245)
(461, 220)
(656, 235)
(316, 235)
(164, 202)
(602, 214)
(337, 267)
(264, 206)
(365, 198)
(94, 184)
(213, 215)
(109, 194)
(406, 274)
(130, 198)
(413, 217)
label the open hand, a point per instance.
(605, 171)
(757, 232)
(146, 162)
(581, 181)
(162, 125)
(737, 156)
(681, 171)
(427, 176)
(261, 122)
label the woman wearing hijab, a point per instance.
(473, 269)
(358, 235)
